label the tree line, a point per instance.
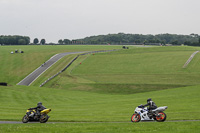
(121, 38)
(19, 40)
(14, 40)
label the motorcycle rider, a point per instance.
(151, 105)
(39, 108)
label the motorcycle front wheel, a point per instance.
(25, 119)
(44, 118)
(161, 117)
(135, 117)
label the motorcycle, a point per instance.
(143, 114)
(31, 116)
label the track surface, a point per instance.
(35, 74)
(19, 122)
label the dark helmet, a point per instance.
(39, 103)
(149, 99)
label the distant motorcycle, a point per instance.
(30, 116)
(143, 114)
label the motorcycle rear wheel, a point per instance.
(25, 119)
(44, 118)
(162, 117)
(135, 117)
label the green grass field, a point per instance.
(71, 106)
(152, 127)
(104, 89)
(14, 67)
(79, 106)
(131, 71)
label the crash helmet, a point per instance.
(149, 99)
(39, 103)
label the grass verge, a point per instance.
(152, 127)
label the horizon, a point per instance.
(73, 19)
(31, 39)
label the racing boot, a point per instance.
(31, 115)
(150, 114)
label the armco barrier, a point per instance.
(59, 72)
(72, 62)
(189, 60)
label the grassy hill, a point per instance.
(75, 106)
(105, 87)
(159, 67)
(14, 67)
(71, 106)
(130, 71)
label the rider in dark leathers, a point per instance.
(151, 105)
(39, 108)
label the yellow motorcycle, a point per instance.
(31, 116)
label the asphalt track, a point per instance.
(19, 122)
(35, 74)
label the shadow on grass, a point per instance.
(123, 89)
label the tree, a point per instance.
(27, 39)
(35, 41)
(66, 41)
(187, 43)
(14, 40)
(43, 41)
(21, 42)
(1, 41)
(60, 41)
(175, 42)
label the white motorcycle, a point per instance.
(143, 114)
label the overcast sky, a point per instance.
(73, 19)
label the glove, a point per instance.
(141, 106)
